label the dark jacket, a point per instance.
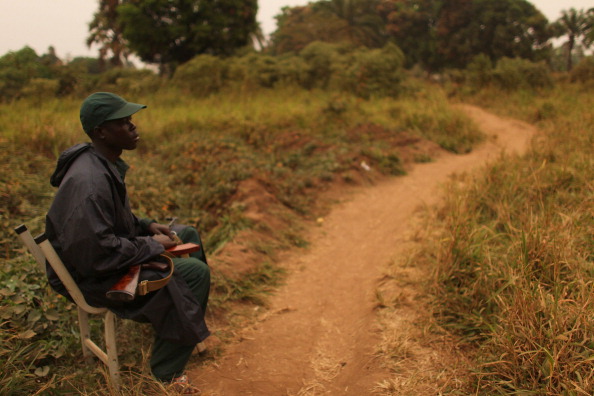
(98, 238)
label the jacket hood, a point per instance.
(65, 160)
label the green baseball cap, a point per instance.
(104, 106)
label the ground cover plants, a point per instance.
(514, 263)
(197, 156)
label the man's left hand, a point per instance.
(159, 229)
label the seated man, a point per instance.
(98, 238)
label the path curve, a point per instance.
(319, 334)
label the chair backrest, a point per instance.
(27, 239)
(42, 250)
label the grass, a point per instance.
(514, 262)
(508, 264)
(194, 156)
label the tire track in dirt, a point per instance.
(320, 333)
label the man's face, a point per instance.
(119, 134)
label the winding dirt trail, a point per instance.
(319, 335)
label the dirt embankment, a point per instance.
(320, 335)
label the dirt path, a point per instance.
(319, 336)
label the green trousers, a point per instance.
(168, 360)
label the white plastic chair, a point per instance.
(42, 250)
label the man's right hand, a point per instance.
(164, 240)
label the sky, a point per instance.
(63, 24)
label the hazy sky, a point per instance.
(64, 23)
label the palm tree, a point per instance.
(577, 26)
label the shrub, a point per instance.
(201, 76)
(121, 79)
(376, 72)
(584, 71)
(17, 69)
(512, 74)
(254, 70)
(292, 70)
(321, 59)
(40, 88)
(479, 72)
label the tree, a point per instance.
(362, 25)
(106, 30)
(577, 26)
(171, 32)
(412, 26)
(356, 22)
(297, 27)
(503, 28)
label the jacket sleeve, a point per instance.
(90, 244)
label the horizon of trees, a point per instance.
(433, 35)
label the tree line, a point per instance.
(433, 35)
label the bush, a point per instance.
(321, 59)
(292, 70)
(41, 88)
(201, 76)
(512, 74)
(254, 70)
(123, 80)
(17, 69)
(584, 71)
(479, 72)
(376, 72)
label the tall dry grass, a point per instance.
(515, 262)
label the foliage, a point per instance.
(412, 26)
(508, 28)
(297, 27)
(25, 74)
(17, 69)
(375, 72)
(40, 88)
(323, 59)
(508, 75)
(433, 34)
(516, 74)
(36, 329)
(355, 22)
(584, 71)
(254, 70)
(514, 262)
(106, 30)
(363, 26)
(203, 75)
(195, 153)
(171, 33)
(577, 26)
(480, 71)
(364, 72)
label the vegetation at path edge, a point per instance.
(514, 264)
(193, 158)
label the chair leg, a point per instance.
(112, 352)
(85, 332)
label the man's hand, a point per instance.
(162, 234)
(165, 240)
(158, 229)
